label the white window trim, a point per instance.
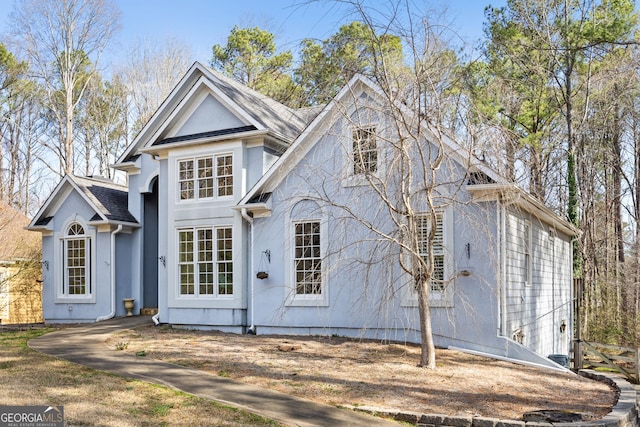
(292, 299)
(350, 178)
(194, 159)
(438, 298)
(60, 260)
(196, 295)
(370, 131)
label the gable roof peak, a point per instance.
(109, 200)
(265, 113)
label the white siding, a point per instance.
(530, 314)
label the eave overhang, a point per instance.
(164, 148)
(257, 210)
(513, 195)
(258, 207)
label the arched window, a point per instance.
(76, 258)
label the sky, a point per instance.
(202, 23)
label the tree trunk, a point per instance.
(536, 186)
(68, 143)
(427, 346)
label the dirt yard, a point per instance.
(341, 371)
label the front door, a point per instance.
(150, 248)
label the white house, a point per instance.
(235, 218)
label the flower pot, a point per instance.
(262, 275)
(128, 305)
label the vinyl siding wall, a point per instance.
(530, 296)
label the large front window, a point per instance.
(307, 258)
(205, 261)
(205, 177)
(77, 256)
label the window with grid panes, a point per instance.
(225, 261)
(307, 258)
(205, 177)
(205, 261)
(365, 151)
(185, 262)
(225, 175)
(185, 179)
(76, 271)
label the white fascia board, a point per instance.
(462, 156)
(512, 194)
(259, 210)
(162, 109)
(74, 187)
(53, 203)
(155, 149)
(44, 208)
(132, 168)
(40, 228)
(112, 222)
(287, 161)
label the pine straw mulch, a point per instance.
(341, 371)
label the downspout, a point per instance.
(249, 219)
(503, 261)
(113, 276)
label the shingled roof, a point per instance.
(265, 113)
(277, 117)
(109, 198)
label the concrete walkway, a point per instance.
(85, 345)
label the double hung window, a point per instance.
(205, 177)
(76, 249)
(205, 261)
(307, 258)
(365, 151)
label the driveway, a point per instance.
(85, 345)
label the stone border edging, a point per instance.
(624, 413)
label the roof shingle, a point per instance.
(111, 199)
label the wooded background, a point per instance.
(551, 99)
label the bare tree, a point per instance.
(102, 121)
(63, 42)
(151, 72)
(405, 170)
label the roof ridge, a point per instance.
(244, 87)
(105, 182)
(272, 103)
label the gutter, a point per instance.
(113, 276)
(249, 219)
